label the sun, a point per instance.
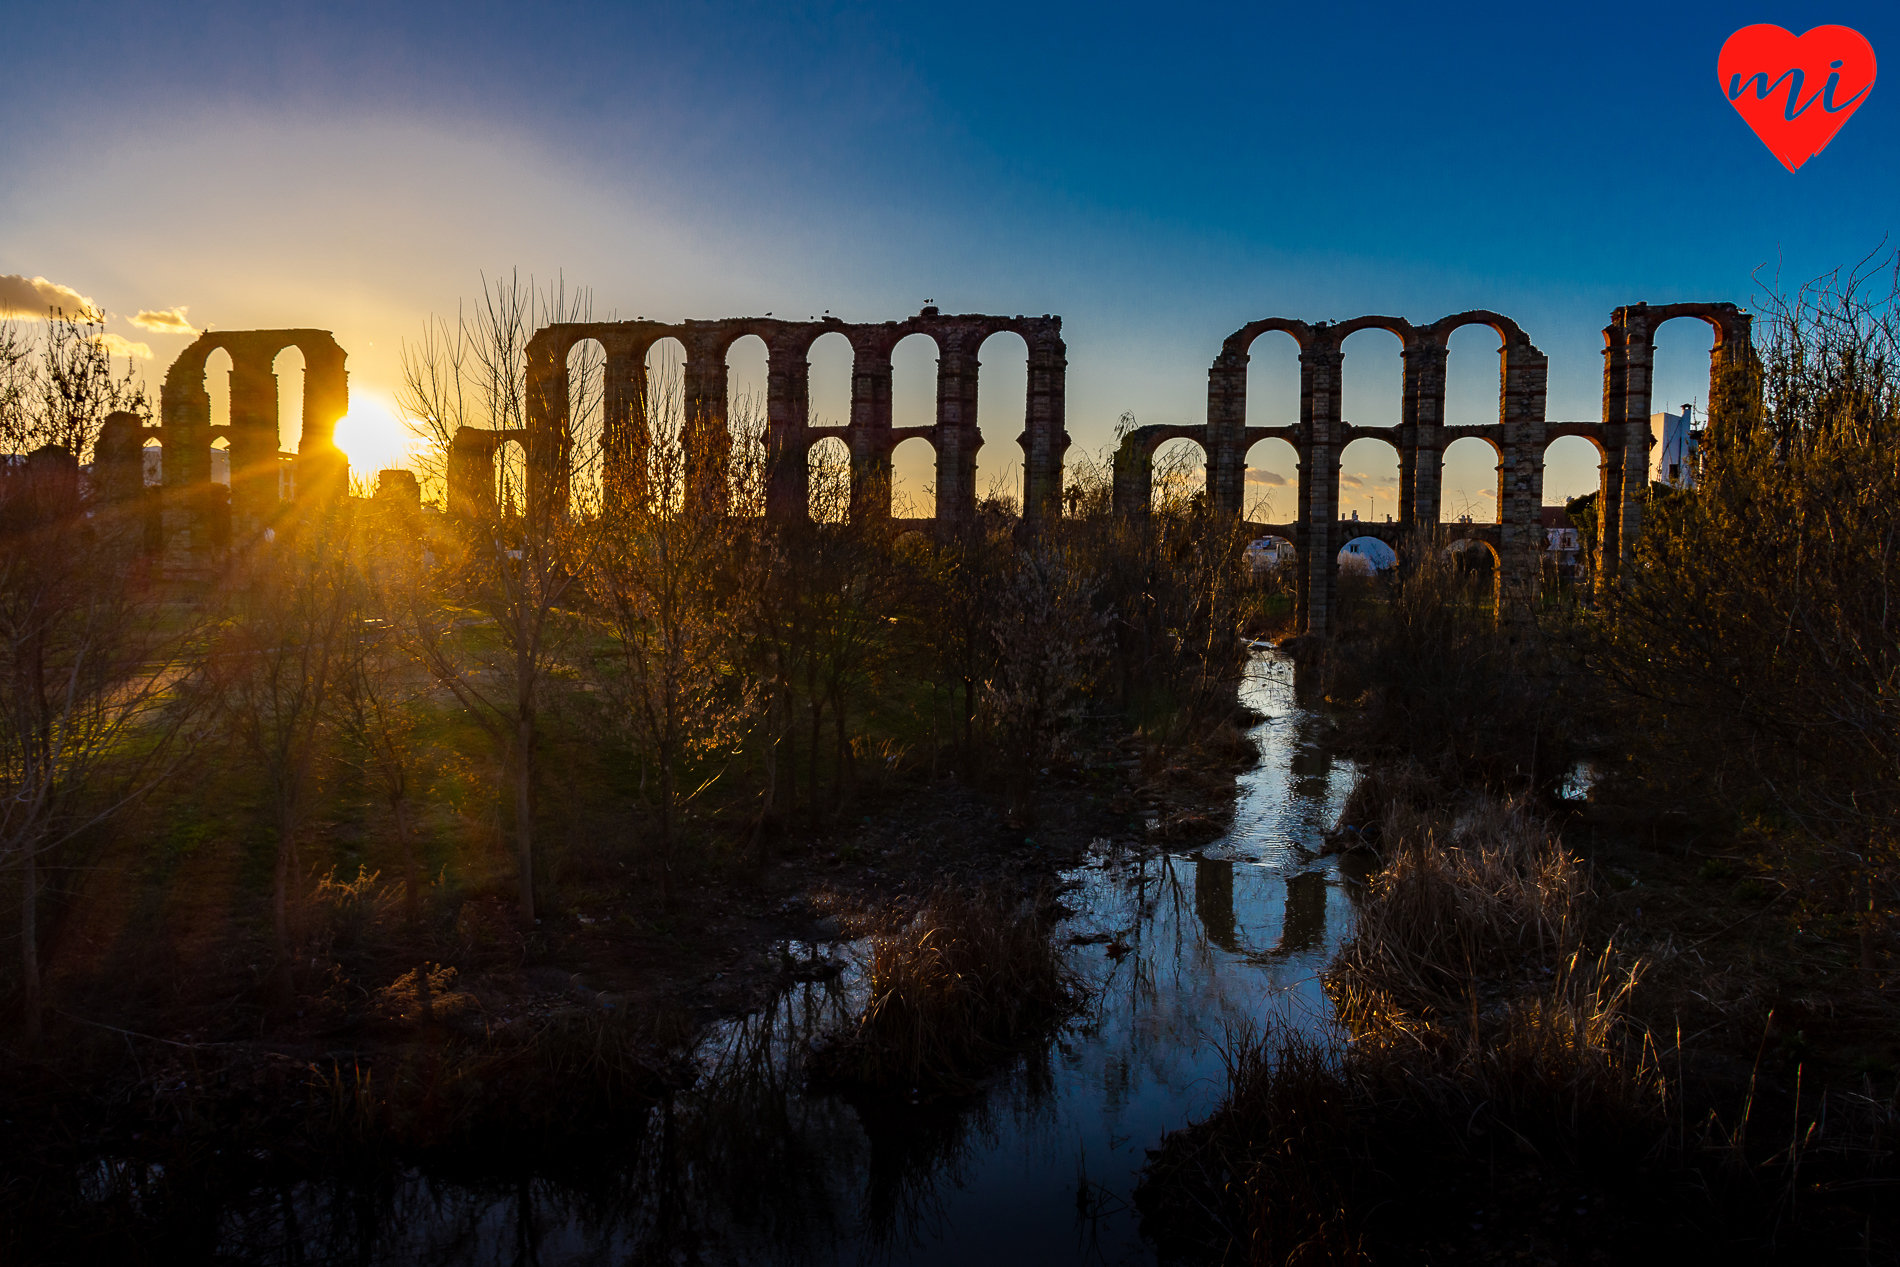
(373, 436)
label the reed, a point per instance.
(957, 982)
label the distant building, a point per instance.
(1267, 553)
(1561, 542)
(1367, 554)
(1674, 440)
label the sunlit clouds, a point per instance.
(36, 298)
(164, 321)
(119, 345)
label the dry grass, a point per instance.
(957, 981)
(1475, 1011)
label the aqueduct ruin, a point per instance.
(195, 528)
(1519, 437)
(869, 436)
(193, 535)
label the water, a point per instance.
(1178, 950)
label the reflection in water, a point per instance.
(1040, 1167)
(1214, 900)
(1305, 924)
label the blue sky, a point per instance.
(1157, 176)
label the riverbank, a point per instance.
(463, 1039)
(1569, 1033)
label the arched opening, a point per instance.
(1372, 388)
(289, 369)
(747, 366)
(221, 461)
(746, 382)
(1470, 483)
(914, 404)
(665, 412)
(511, 478)
(1369, 482)
(1002, 414)
(914, 480)
(1475, 561)
(1273, 380)
(828, 471)
(829, 381)
(1474, 377)
(1271, 493)
(1678, 396)
(1572, 468)
(218, 386)
(1180, 478)
(586, 393)
(152, 459)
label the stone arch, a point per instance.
(1471, 464)
(585, 369)
(748, 378)
(1272, 479)
(829, 481)
(1369, 475)
(1573, 464)
(290, 400)
(913, 478)
(1472, 398)
(1000, 470)
(1272, 379)
(1372, 396)
(1179, 480)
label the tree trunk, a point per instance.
(788, 807)
(524, 818)
(969, 730)
(411, 899)
(30, 954)
(817, 734)
(666, 830)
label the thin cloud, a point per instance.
(164, 320)
(118, 345)
(35, 297)
(1355, 480)
(1257, 476)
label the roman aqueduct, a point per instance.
(259, 495)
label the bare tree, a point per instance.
(663, 580)
(285, 643)
(89, 706)
(513, 566)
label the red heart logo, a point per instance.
(1796, 91)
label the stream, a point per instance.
(1178, 951)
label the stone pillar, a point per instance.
(1134, 476)
(958, 437)
(471, 474)
(253, 445)
(623, 428)
(1521, 479)
(550, 439)
(707, 442)
(1227, 433)
(322, 471)
(1321, 365)
(870, 431)
(787, 412)
(185, 431)
(1424, 449)
(1044, 440)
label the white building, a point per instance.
(1672, 448)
